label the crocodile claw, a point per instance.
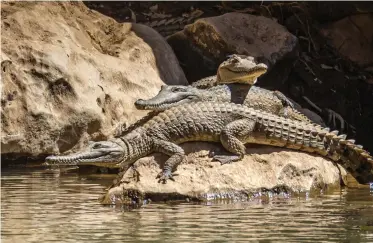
(285, 100)
(164, 176)
(226, 159)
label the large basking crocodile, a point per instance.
(231, 124)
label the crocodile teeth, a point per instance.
(351, 140)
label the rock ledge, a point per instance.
(263, 169)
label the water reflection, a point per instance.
(40, 205)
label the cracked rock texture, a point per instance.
(262, 169)
(70, 74)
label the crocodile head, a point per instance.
(240, 69)
(170, 96)
(102, 153)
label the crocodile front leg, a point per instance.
(230, 138)
(177, 155)
(284, 100)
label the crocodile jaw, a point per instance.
(103, 153)
(240, 69)
(169, 96)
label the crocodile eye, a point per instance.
(178, 89)
(97, 145)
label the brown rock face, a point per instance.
(262, 169)
(207, 42)
(352, 37)
(70, 75)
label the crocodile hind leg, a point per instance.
(230, 139)
(177, 155)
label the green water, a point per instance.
(41, 205)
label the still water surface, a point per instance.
(41, 205)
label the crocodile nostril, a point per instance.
(139, 102)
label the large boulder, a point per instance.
(70, 74)
(262, 169)
(352, 37)
(203, 45)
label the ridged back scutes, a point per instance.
(296, 134)
(356, 160)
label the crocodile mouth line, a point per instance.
(165, 105)
(95, 158)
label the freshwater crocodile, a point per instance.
(236, 75)
(231, 124)
(233, 83)
(239, 69)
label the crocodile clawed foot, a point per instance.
(285, 100)
(164, 176)
(226, 159)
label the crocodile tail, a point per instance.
(302, 117)
(205, 83)
(138, 123)
(352, 157)
(298, 116)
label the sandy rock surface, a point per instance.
(263, 168)
(70, 74)
(208, 41)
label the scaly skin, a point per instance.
(241, 69)
(231, 84)
(250, 96)
(238, 69)
(231, 124)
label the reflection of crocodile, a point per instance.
(231, 124)
(237, 69)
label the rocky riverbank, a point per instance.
(71, 75)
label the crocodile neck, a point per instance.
(136, 144)
(235, 93)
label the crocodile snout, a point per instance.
(140, 102)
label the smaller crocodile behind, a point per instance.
(254, 97)
(233, 83)
(240, 69)
(231, 124)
